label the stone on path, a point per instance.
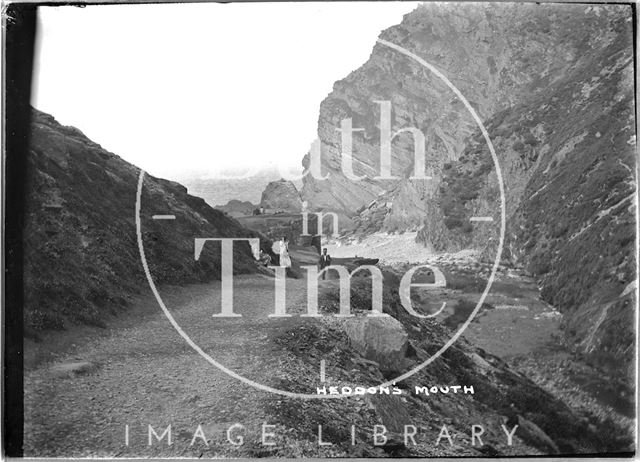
(74, 368)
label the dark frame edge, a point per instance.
(19, 27)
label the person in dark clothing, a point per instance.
(264, 258)
(325, 260)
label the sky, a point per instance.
(193, 90)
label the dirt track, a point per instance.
(147, 374)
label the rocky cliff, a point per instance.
(554, 87)
(569, 167)
(81, 253)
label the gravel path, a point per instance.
(146, 374)
(141, 372)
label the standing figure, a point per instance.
(285, 259)
(325, 260)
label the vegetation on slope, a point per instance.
(81, 253)
(568, 163)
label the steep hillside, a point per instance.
(554, 86)
(81, 253)
(569, 167)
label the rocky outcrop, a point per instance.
(226, 186)
(236, 208)
(380, 339)
(281, 195)
(554, 87)
(82, 262)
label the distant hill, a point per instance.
(219, 191)
(236, 208)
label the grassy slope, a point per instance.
(569, 167)
(81, 253)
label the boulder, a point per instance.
(392, 411)
(535, 436)
(380, 339)
(281, 195)
(394, 415)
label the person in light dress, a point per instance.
(285, 259)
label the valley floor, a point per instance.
(389, 248)
(140, 372)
